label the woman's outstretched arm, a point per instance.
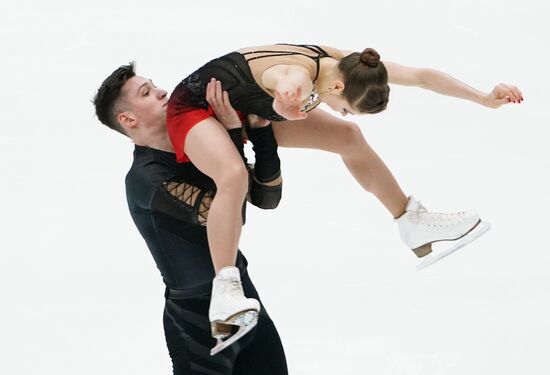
(444, 84)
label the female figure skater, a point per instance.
(284, 83)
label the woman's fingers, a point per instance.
(504, 94)
(298, 92)
(498, 102)
(289, 105)
(517, 93)
(510, 91)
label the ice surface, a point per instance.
(80, 292)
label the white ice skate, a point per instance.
(230, 309)
(419, 228)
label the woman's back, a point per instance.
(262, 58)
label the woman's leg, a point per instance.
(323, 131)
(211, 150)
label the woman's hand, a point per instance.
(219, 101)
(289, 104)
(502, 94)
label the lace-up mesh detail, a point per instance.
(197, 198)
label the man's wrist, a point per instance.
(234, 130)
(234, 126)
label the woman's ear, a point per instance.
(337, 87)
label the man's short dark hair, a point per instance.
(107, 99)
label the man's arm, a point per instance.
(265, 181)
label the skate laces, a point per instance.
(420, 215)
(231, 287)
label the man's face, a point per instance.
(145, 102)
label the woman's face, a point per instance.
(338, 103)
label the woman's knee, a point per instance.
(350, 134)
(234, 178)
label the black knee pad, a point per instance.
(263, 196)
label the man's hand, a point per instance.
(219, 101)
(255, 121)
(502, 94)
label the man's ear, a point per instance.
(127, 120)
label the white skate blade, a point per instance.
(436, 256)
(245, 322)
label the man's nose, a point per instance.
(162, 93)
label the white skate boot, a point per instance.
(419, 228)
(230, 309)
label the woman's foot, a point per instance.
(230, 309)
(419, 228)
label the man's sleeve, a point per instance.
(183, 201)
(188, 200)
(267, 168)
(236, 135)
(268, 165)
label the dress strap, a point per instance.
(319, 53)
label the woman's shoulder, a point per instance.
(266, 47)
(331, 51)
(335, 53)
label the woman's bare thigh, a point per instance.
(320, 130)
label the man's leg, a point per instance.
(189, 340)
(265, 354)
(187, 332)
(323, 131)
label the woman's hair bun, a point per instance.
(370, 57)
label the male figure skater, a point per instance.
(169, 204)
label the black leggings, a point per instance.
(189, 340)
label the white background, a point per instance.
(80, 292)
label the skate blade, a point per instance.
(245, 321)
(436, 256)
